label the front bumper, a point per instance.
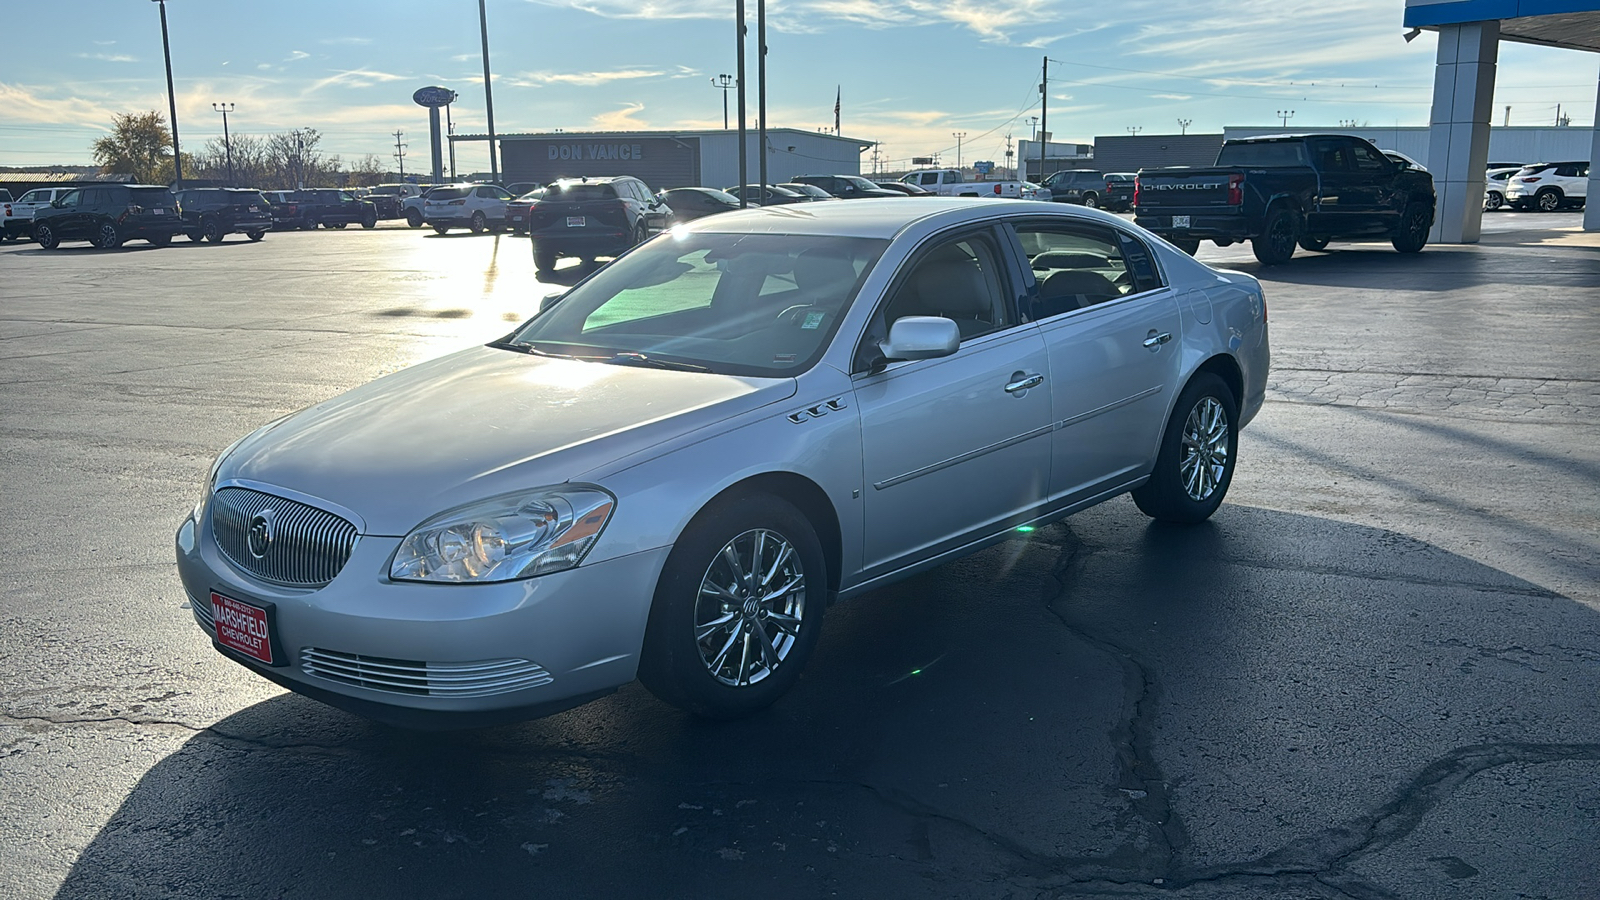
(395, 651)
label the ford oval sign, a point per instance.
(434, 96)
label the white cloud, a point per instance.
(355, 78)
(585, 79)
(624, 119)
(107, 57)
(296, 56)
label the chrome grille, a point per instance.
(309, 545)
(426, 679)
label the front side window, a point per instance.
(1078, 266)
(1369, 160)
(72, 198)
(762, 305)
(959, 280)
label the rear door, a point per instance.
(1338, 208)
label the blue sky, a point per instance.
(911, 72)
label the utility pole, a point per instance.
(300, 158)
(744, 149)
(172, 103)
(1009, 154)
(400, 153)
(227, 142)
(958, 135)
(1183, 126)
(488, 95)
(724, 82)
(1286, 115)
(1508, 115)
(1044, 115)
(761, 93)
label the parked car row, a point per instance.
(1546, 186)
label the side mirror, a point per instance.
(921, 337)
(552, 298)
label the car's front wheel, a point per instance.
(1493, 201)
(369, 220)
(1195, 464)
(1314, 243)
(441, 229)
(160, 240)
(1413, 233)
(414, 218)
(255, 235)
(46, 236)
(213, 231)
(738, 608)
(1091, 199)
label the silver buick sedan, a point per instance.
(673, 470)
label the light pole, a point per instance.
(958, 135)
(724, 82)
(172, 102)
(488, 95)
(1286, 115)
(227, 142)
(1135, 129)
(1183, 126)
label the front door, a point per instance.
(957, 448)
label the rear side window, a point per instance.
(1076, 266)
(1263, 155)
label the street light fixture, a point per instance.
(227, 142)
(488, 95)
(1183, 126)
(725, 82)
(1135, 129)
(1286, 115)
(172, 103)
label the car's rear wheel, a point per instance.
(1091, 199)
(477, 223)
(309, 223)
(194, 236)
(1187, 245)
(255, 235)
(640, 234)
(106, 236)
(338, 225)
(46, 236)
(738, 608)
(1314, 242)
(1548, 200)
(213, 231)
(370, 220)
(1278, 239)
(1195, 464)
(441, 229)
(544, 258)
(414, 218)
(1413, 233)
(1493, 201)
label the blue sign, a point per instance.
(983, 166)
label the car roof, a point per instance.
(880, 218)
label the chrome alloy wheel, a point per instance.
(749, 608)
(1204, 458)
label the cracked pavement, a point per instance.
(1372, 675)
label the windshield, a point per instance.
(736, 304)
(580, 191)
(860, 182)
(1265, 155)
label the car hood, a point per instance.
(480, 423)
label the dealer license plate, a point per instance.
(243, 627)
(516, 218)
(1180, 221)
(159, 212)
(576, 221)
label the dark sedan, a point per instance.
(771, 195)
(690, 203)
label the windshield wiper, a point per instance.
(630, 358)
(525, 348)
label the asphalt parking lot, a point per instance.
(1375, 673)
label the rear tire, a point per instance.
(369, 221)
(255, 235)
(477, 223)
(1091, 200)
(1413, 234)
(1493, 200)
(160, 240)
(106, 236)
(338, 225)
(1276, 244)
(544, 259)
(738, 609)
(46, 236)
(1547, 200)
(1198, 451)
(441, 229)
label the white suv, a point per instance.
(1548, 187)
(474, 206)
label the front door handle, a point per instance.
(1156, 340)
(1022, 381)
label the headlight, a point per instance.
(505, 538)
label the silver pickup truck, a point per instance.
(16, 216)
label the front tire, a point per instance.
(441, 229)
(213, 231)
(46, 236)
(1413, 233)
(1493, 201)
(255, 235)
(738, 609)
(1195, 464)
(477, 223)
(1276, 244)
(160, 240)
(1314, 243)
(369, 221)
(338, 225)
(414, 218)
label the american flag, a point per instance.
(836, 96)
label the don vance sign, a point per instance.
(596, 151)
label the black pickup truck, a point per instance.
(1286, 190)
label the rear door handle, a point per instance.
(1024, 382)
(1156, 340)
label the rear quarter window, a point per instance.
(1266, 155)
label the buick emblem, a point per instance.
(259, 538)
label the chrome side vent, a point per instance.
(426, 679)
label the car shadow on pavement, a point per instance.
(1265, 703)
